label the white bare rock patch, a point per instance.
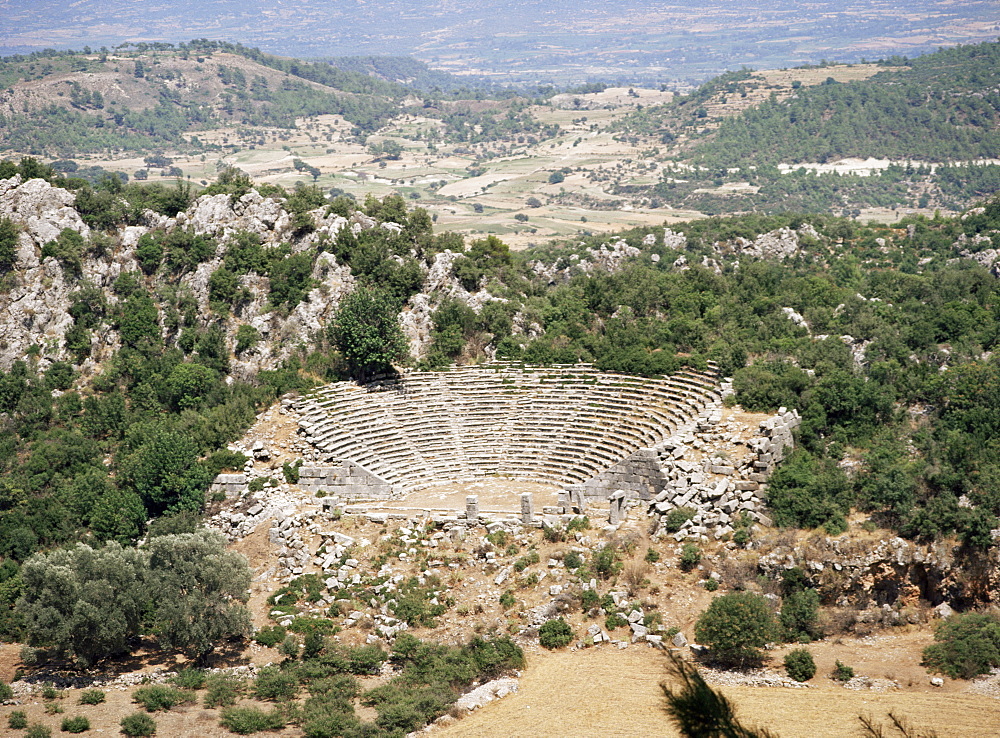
(483, 695)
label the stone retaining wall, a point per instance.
(640, 476)
(232, 485)
(348, 480)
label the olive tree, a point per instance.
(90, 603)
(84, 602)
(736, 626)
(200, 591)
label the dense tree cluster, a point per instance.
(91, 603)
(936, 108)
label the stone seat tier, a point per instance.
(558, 424)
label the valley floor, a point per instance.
(605, 692)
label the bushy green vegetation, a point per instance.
(222, 690)
(799, 665)
(555, 633)
(842, 672)
(138, 725)
(690, 557)
(92, 603)
(92, 697)
(160, 697)
(76, 724)
(800, 615)
(735, 627)
(674, 519)
(248, 720)
(432, 676)
(965, 646)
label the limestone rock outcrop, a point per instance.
(34, 307)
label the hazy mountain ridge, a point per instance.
(526, 41)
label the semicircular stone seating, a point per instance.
(555, 424)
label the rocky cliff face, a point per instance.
(34, 305)
(36, 296)
(890, 580)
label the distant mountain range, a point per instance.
(562, 41)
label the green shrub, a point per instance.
(674, 519)
(553, 535)
(289, 647)
(68, 251)
(17, 720)
(138, 725)
(291, 471)
(275, 685)
(331, 723)
(555, 633)
(614, 620)
(711, 585)
(589, 600)
(497, 538)
(578, 523)
(605, 563)
(800, 615)
(37, 730)
(222, 690)
(799, 665)
(149, 253)
(690, 557)
(246, 338)
(527, 560)
(736, 626)
(842, 672)
(6, 693)
(967, 646)
(246, 720)
(8, 244)
(78, 724)
(189, 678)
(507, 600)
(494, 657)
(160, 697)
(270, 637)
(339, 687)
(92, 697)
(572, 560)
(652, 556)
(366, 659)
(49, 691)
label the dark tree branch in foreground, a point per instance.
(876, 730)
(699, 711)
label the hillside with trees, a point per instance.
(187, 316)
(144, 97)
(942, 108)
(743, 142)
(891, 324)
